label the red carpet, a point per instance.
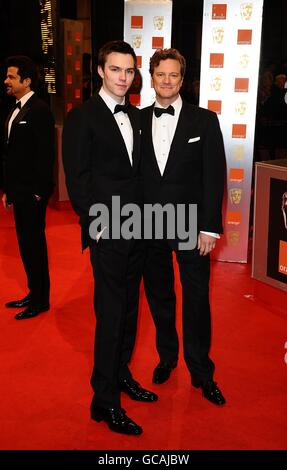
(46, 362)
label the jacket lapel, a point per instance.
(23, 111)
(135, 123)
(109, 121)
(149, 142)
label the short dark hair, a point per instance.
(26, 68)
(115, 46)
(163, 54)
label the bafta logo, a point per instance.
(136, 41)
(246, 9)
(238, 152)
(233, 238)
(218, 35)
(240, 108)
(216, 83)
(235, 195)
(244, 61)
(158, 22)
(284, 208)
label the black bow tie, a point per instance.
(122, 107)
(17, 105)
(159, 111)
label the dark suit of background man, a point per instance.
(102, 160)
(29, 154)
(183, 162)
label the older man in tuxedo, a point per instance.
(29, 154)
(183, 163)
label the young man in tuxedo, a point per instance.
(102, 159)
(29, 154)
(183, 163)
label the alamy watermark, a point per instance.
(152, 221)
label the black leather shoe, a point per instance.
(162, 372)
(19, 303)
(31, 312)
(210, 391)
(116, 419)
(136, 392)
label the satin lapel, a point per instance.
(150, 142)
(108, 122)
(181, 133)
(135, 123)
(23, 111)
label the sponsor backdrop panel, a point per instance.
(231, 38)
(147, 27)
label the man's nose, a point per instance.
(123, 75)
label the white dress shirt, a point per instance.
(163, 130)
(23, 101)
(122, 120)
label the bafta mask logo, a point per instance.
(244, 61)
(136, 41)
(218, 35)
(246, 9)
(216, 83)
(158, 22)
(233, 238)
(240, 108)
(238, 152)
(235, 195)
(284, 208)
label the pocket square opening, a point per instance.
(194, 139)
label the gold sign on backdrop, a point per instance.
(158, 22)
(238, 151)
(240, 108)
(246, 9)
(244, 61)
(218, 35)
(233, 238)
(216, 83)
(235, 195)
(136, 41)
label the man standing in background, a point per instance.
(29, 154)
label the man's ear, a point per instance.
(27, 82)
(100, 71)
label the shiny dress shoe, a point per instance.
(116, 419)
(210, 391)
(136, 392)
(162, 372)
(19, 303)
(31, 312)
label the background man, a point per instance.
(183, 163)
(29, 154)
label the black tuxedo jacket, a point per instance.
(195, 169)
(96, 161)
(29, 154)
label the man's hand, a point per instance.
(205, 243)
(5, 203)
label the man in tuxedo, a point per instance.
(102, 161)
(183, 163)
(29, 154)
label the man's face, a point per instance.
(167, 81)
(14, 85)
(117, 75)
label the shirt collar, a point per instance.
(110, 102)
(25, 98)
(177, 104)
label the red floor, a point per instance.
(46, 362)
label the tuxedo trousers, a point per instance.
(29, 216)
(196, 322)
(117, 268)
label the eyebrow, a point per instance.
(120, 68)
